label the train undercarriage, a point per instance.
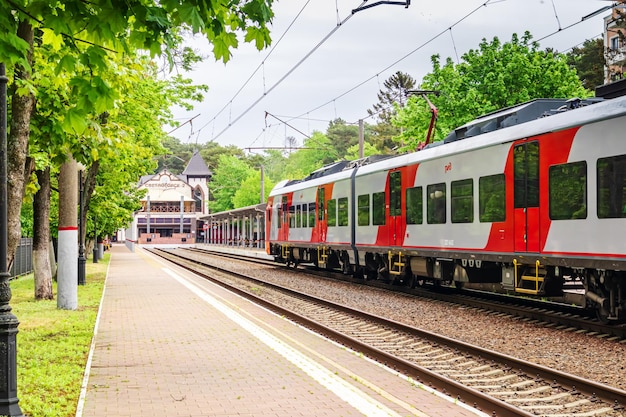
(600, 290)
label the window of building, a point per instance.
(462, 201)
(436, 203)
(614, 43)
(363, 209)
(492, 198)
(568, 191)
(332, 212)
(612, 187)
(197, 196)
(378, 209)
(414, 205)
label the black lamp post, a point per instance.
(95, 241)
(81, 239)
(8, 322)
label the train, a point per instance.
(529, 200)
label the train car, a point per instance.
(527, 198)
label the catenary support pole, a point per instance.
(67, 297)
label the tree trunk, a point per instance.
(19, 167)
(41, 238)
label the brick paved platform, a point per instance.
(171, 344)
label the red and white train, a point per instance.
(528, 198)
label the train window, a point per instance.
(414, 205)
(320, 200)
(305, 216)
(612, 187)
(311, 214)
(492, 198)
(292, 217)
(436, 203)
(526, 175)
(298, 215)
(568, 191)
(342, 211)
(363, 210)
(395, 190)
(378, 209)
(332, 213)
(462, 201)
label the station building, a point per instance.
(173, 206)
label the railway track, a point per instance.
(560, 316)
(495, 383)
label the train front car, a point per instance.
(530, 200)
(514, 199)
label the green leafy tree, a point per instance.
(368, 150)
(589, 62)
(317, 153)
(494, 76)
(92, 35)
(227, 179)
(249, 192)
(342, 135)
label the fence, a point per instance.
(23, 261)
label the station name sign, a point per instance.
(164, 184)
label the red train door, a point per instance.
(395, 208)
(526, 196)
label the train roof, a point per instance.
(550, 115)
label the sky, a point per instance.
(326, 62)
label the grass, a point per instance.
(53, 345)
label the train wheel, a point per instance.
(459, 285)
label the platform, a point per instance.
(168, 343)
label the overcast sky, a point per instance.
(341, 78)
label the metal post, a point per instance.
(8, 322)
(81, 240)
(95, 240)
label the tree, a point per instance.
(93, 34)
(494, 76)
(317, 153)
(249, 192)
(588, 61)
(394, 96)
(342, 135)
(227, 179)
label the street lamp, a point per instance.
(95, 241)
(81, 236)
(8, 322)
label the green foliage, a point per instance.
(249, 192)
(227, 179)
(342, 135)
(368, 150)
(588, 61)
(319, 152)
(494, 76)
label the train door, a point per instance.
(321, 225)
(395, 208)
(526, 196)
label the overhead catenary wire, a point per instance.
(277, 83)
